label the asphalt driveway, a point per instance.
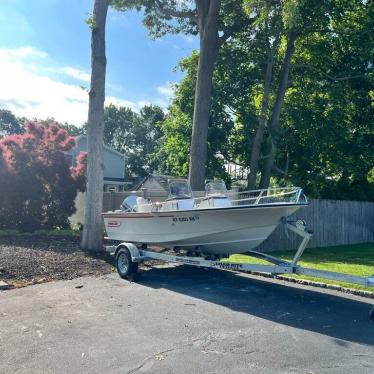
(179, 319)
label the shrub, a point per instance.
(37, 185)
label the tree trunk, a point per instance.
(208, 13)
(92, 238)
(257, 141)
(268, 165)
(275, 122)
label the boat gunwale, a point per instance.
(167, 214)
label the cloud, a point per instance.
(28, 51)
(6, 103)
(28, 93)
(166, 90)
(32, 86)
(76, 73)
(16, 55)
(134, 105)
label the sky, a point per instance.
(45, 60)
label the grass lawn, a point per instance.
(350, 259)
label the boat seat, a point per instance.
(143, 205)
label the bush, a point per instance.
(37, 185)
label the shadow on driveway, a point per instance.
(339, 317)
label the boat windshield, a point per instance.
(179, 189)
(215, 188)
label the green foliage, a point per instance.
(37, 185)
(91, 21)
(9, 123)
(328, 117)
(164, 16)
(370, 176)
(72, 130)
(135, 135)
(291, 15)
(172, 153)
(325, 143)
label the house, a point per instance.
(155, 182)
(238, 173)
(114, 164)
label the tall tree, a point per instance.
(277, 24)
(173, 149)
(208, 12)
(92, 238)
(208, 18)
(325, 127)
(269, 28)
(328, 121)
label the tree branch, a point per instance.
(167, 12)
(280, 171)
(264, 157)
(230, 31)
(285, 171)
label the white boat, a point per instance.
(219, 223)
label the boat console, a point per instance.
(180, 196)
(215, 195)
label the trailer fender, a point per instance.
(133, 249)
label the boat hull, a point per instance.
(218, 231)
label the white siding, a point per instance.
(114, 164)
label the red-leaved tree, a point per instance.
(37, 184)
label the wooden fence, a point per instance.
(333, 222)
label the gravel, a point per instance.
(37, 259)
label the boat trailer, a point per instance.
(129, 255)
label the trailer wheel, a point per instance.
(124, 264)
(371, 314)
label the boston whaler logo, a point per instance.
(114, 223)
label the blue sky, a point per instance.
(45, 59)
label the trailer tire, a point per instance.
(124, 264)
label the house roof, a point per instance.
(162, 180)
(106, 147)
